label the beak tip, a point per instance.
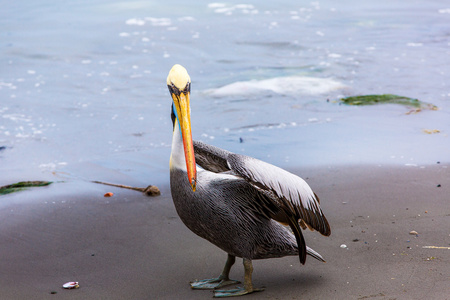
(193, 184)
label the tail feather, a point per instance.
(303, 250)
(301, 244)
(314, 254)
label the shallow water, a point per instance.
(83, 93)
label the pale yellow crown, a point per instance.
(179, 77)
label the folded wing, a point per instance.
(290, 192)
(297, 204)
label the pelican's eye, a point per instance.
(187, 88)
(173, 89)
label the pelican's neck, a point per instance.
(177, 158)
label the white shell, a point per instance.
(71, 285)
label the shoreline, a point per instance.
(130, 246)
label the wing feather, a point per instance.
(293, 194)
(290, 193)
(211, 158)
(282, 196)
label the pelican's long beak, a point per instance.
(180, 97)
(181, 103)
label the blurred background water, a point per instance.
(83, 83)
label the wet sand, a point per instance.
(131, 246)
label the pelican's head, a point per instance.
(178, 79)
(179, 84)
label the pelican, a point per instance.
(238, 203)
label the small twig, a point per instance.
(151, 190)
(120, 185)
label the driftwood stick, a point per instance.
(151, 190)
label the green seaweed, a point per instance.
(20, 186)
(388, 99)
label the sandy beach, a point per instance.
(130, 246)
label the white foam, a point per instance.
(280, 85)
(224, 10)
(221, 8)
(334, 55)
(159, 21)
(48, 166)
(153, 21)
(187, 18)
(216, 5)
(17, 118)
(7, 85)
(135, 21)
(320, 33)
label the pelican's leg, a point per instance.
(248, 285)
(221, 281)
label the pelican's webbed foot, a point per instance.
(240, 291)
(214, 283)
(248, 285)
(221, 281)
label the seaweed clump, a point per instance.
(20, 186)
(415, 104)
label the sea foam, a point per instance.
(280, 85)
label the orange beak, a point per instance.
(181, 103)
